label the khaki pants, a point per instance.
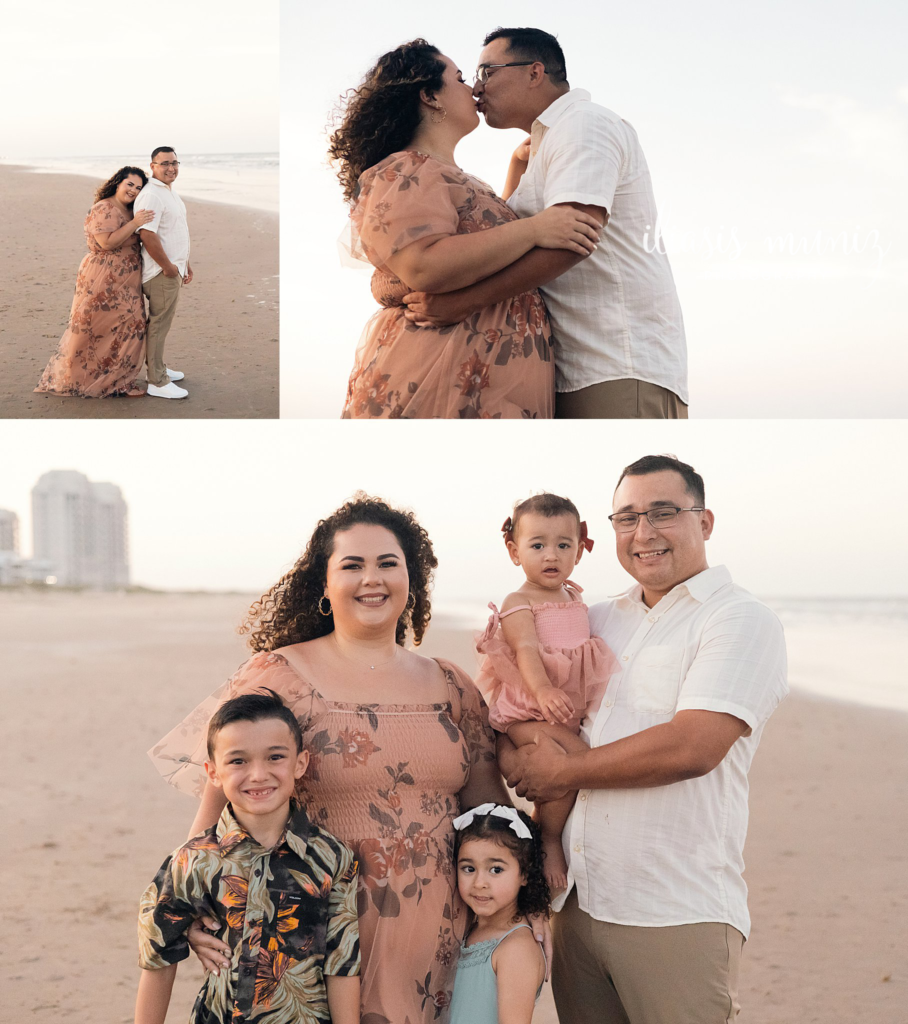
(606, 973)
(163, 294)
(626, 399)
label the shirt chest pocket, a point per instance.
(300, 922)
(656, 679)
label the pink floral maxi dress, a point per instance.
(496, 364)
(103, 348)
(383, 778)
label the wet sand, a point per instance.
(225, 331)
(91, 681)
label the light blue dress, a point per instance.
(475, 999)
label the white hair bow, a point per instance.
(500, 812)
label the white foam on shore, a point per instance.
(235, 179)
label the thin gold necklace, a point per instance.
(347, 657)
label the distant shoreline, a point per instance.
(821, 666)
(188, 189)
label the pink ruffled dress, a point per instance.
(576, 663)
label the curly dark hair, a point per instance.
(109, 187)
(534, 897)
(289, 614)
(382, 114)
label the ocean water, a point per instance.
(848, 649)
(238, 179)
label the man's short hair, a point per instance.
(658, 464)
(253, 707)
(534, 44)
(162, 149)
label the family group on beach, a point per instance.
(519, 306)
(138, 248)
(355, 856)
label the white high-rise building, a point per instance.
(80, 528)
(9, 531)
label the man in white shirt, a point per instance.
(165, 266)
(620, 347)
(655, 917)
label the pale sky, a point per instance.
(757, 123)
(96, 78)
(802, 508)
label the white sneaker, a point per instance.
(174, 375)
(167, 391)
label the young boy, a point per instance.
(284, 890)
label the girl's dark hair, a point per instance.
(534, 897)
(109, 187)
(289, 612)
(381, 115)
(545, 504)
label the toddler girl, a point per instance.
(498, 859)
(541, 664)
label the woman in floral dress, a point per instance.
(398, 744)
(103, 348)
(426, 225)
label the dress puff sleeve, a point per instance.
(402, 198)
(104, 216)
(181, 755)
(469, 711)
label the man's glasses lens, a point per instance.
(626, 522)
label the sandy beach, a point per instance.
(225, 333)
(91, 681)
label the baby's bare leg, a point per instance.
(551, 814)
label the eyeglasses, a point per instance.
(660, 518)
(167, 163)
(482, 72)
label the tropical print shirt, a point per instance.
(288, 913)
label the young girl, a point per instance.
(542, 665)
(498, 857)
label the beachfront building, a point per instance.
(80, 528)
(14, 570)
(9, 531)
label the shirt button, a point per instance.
(258, 872)
(583, 796)
(578, 848)
(624, 658)
(608, 703)
(652, 618)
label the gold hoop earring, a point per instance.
(444, 114)
(321, 610)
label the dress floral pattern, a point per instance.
(496, 364)
(384, 779)
(103, 348)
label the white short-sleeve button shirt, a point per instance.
(616, 314)
(169, 224)
(672, 855)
